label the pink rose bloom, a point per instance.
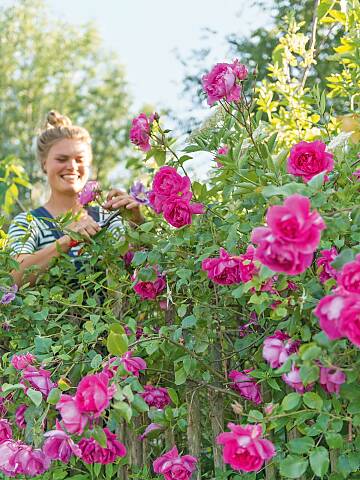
(140, 131)
(277, 348)
(73, 420)
(307, 159)
(277, 255)
(349, 277)
(175, 467)
(357, 174)
(350, 320)
(27, 461)
(294, 381)
(331, 379)
(59, 446)
(8, 448)
(178, 211)
(20, 416)
(167, 183)
(149, 290)
(269, 409)
(222, 82)
(329, 311)
(294, 224)
(129, 255)
(246, 386)
(89, 193)
(5, 430)
(157, 397)
(224, 150)
(150, 428)
(324, 264)
(247, 266)
(244, 447)
(93, 394)
(92, 452)
(224, 270)
(133, 364)
(39, 379)
(22, 361)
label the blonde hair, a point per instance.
(55, 128)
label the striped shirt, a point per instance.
(28, 234)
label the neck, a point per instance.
(59, 203)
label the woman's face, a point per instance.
(67, 166)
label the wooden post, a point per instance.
(194, 428)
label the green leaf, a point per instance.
(117, 344)
(54, 396)
(139, 404)
(301, 445)
(189, 322)
(345, 256)
(96, 361)
(139, 258)
(180, 376)
(35, 396)
(334, 440)
(291, 401)
(124, 410)
(319, 461)
(309, 351)
(99, 435)
(293, 466)
(309, 373)
(173, 395)
(317, 181)
(313, 400)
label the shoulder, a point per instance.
(22, 220)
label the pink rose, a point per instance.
(350, 320)
(224, 150)
(247, 266)
(93, 394)
(157, 397)
(8, 448)
(294, 381)
(331, 379)
(39, 379)
(277, 255)
(20, 416)
(245, 385)
(307, 159)
(224, 270)
(5, 430)
(222, 82)
(59, 446)
(127, 257)
(244, 449)
(178, 211)
(22, 361)
(349, 277)
(294, 224)
(27, 461)
(149, 290)
(175, 467)
(92, 452)
(150, 428)
(326, 271)
(72, 418)
(277, 348)
(167, 183)
(133, 364)
(140, 131)
(329, 311)
(89, 193)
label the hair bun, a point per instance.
(54, 119)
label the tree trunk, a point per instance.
(169, 439)
(194, 429)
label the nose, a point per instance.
(72, 164)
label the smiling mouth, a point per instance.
(70, 177)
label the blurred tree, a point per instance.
(49, 64)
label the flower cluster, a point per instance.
(171, 196)
(308, 159)
(293, 233)
(339, 313)
(174, 466)
(157, 397)
(223, 82)
(140, 131)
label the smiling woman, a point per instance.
(64, 151)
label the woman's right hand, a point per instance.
(85, 226)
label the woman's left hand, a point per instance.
(117, 199)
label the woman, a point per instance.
(64, 152)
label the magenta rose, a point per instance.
(329, 311)
(247, 266)
(92, 452)
(294, 224)
(244, 447)
(294, 381)
(5, 430)
(20, 416)
(133, 364)
(39, 379)
(224, 270)
(178, 211)
(8, 448)
(277, 255)
(73, 420)
(350, 320)
(93, 394)
(325, 270)
(223, 82)
(167, 183)
(224, 150)
(157, 397)
(245, 385)
(174, 466)
(22, 361)
(331, 379)
(89, 193)
(28, 461)
(349, 277)
(277, 348)
(308, 159)
(59, 446)
(149, 290)
(140, 131)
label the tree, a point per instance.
(49, 64)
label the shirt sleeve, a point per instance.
(116, 227)
(23, 234)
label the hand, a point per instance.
(117, 199)
(86, 226)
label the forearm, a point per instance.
(41, 259)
